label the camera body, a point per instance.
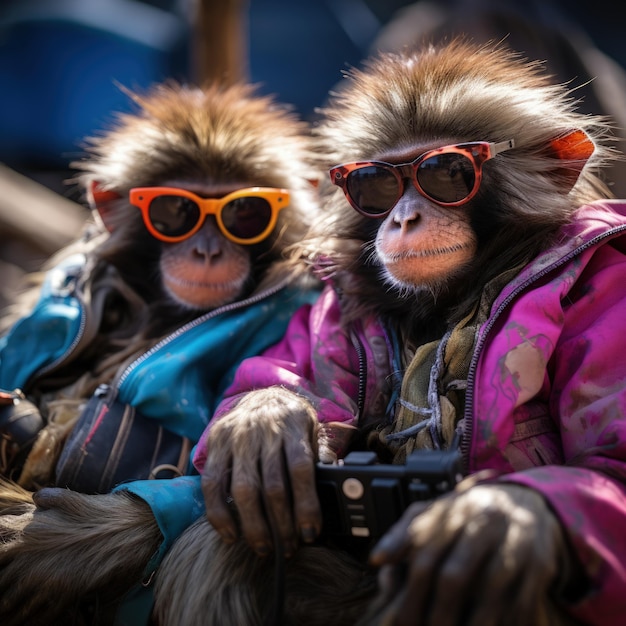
(363, 498)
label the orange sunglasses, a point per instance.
(245, 216)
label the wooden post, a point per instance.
(220, 51)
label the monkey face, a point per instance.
(205, 238)
(426, 236)
(420, 244)
(191, 189)
(206, 270)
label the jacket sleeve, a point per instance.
(175, 502)
(586, 382)
(316, 358)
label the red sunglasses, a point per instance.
(245, 216)
(449, 176)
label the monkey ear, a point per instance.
(100, 200)
(576, 148)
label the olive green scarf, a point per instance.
(430, 408)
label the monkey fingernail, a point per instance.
(227, 536)
(309, 533)
(386, 544)
(262, 549)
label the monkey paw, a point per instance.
(264, 451)
(502, 539)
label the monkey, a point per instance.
(473, 281)
(473, 256)
(195, 195)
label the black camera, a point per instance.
(363, 498)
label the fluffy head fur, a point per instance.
(215, 134)
(466, 92)
(463, 90)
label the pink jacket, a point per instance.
(546, 398)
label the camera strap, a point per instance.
(275, 617)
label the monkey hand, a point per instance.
(72, 548)
(262, 456)
(487, 555)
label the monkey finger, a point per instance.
(493, 547)
(517, 595)
(52, 498)
(247, 491)
(494, 601)
(255, 528)
(277, 500)
(440, 562)
(460, 579)
(530, 602)
(218, 510)
(395, 543)
(410, 605)
(391, 580)
(300, 460)
(509, 595)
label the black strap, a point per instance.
(275, 616)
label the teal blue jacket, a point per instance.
(179, 382)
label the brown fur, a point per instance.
(457, 93)
(53, 568)
(322, 586)
(469, 93)
(213, 136)
(570, 55)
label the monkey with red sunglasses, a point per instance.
(476, 300)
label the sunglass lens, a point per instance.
(373, 189)
(173, 216)
(248, 217)
(447, 177)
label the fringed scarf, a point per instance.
(430, 407)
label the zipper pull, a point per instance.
(10, 397)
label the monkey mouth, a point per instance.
(186, 283)
(423, 267)
(201, 294)
(408, 255)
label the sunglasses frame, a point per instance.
(477, 151)
(142, 197)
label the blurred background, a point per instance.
(61, 62)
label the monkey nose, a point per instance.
(207, 253)
(405, 214)
(407, 211)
